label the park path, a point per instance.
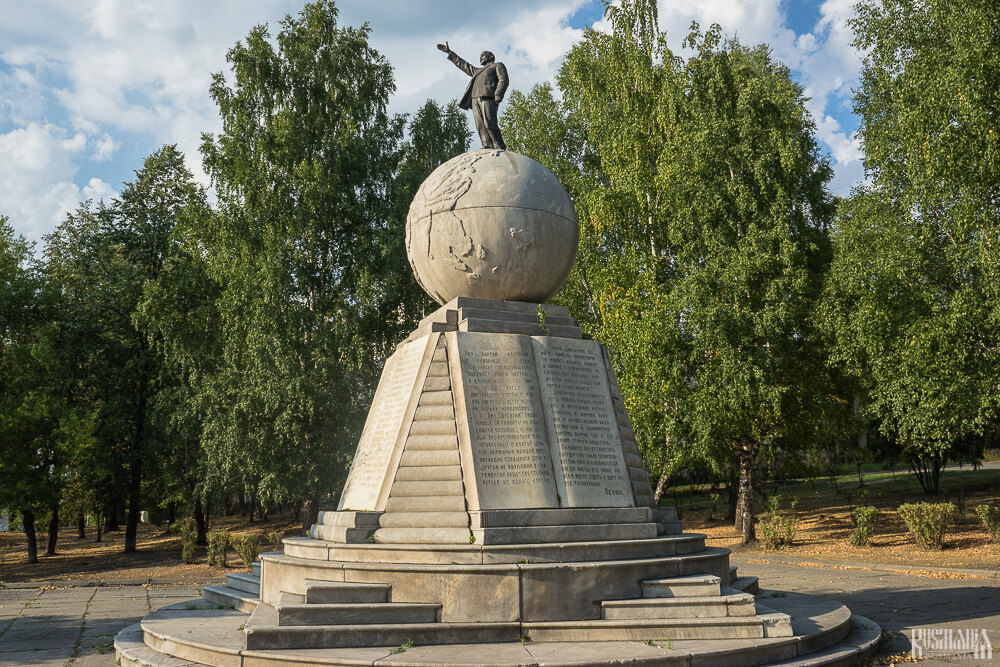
(61, 626)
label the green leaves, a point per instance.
(912, 296)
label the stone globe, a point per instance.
(491, 224)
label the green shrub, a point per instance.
(248, 546)
(776, 530)
(991, 519)
(188, 531)
(219, 542)
(927, 522)
(865, 520)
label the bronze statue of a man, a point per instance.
(483, 94)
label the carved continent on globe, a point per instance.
(491, 224)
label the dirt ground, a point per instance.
(824, 527)
(824, 524)
(158, 558)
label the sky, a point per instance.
(89, 88)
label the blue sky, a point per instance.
(88, 89)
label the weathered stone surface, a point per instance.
(581, 423)
(501, 424)
(697, 585)
(319, 592)
(293, 610)
(494, 225)
(384, 431)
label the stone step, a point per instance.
(564, 533)
(437, 383)
(424, 535)
(692, 585)
(424, 489)
(425, 519)
(435, 398)
(255, 567)
(739, 604)
(669, 528)
(341, 534)
(429, 473)
(132, 651)
(426, 504)
(434, 427)
(425, 442)
(349, 519)
(293, 610)
(859, 646)
(729, 627)
(244, 582)
(231, 597)
(263, 632)
(748, 584)
(434, 413)
(333, 592)
(428, 458)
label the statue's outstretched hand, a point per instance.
(444, 47)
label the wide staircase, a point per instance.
(684, 617)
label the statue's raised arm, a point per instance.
(483, 94)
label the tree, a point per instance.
(912, 297)
(704, 244)
(302, 169)
(99, 261)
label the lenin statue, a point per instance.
(483, 94)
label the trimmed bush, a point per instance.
(188, 531)
(927, 522)
(776, 530)
(991, 520)
(865, 520)
(248, 546)
(219, 542)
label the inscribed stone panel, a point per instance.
(506, 425)
(581, 423)
(382, 428)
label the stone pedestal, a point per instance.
(497, 500)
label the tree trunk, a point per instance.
(28, 519)
(747, 453)
(50, 549)
(199, 520)
(311, 513)
(100, 527)
(81, 528)
(733, 491)
(253, 507)
(132, 525)
(661, 488)
(171, 513)
(111, 517)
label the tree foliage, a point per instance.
(703, 235)
(913, 293)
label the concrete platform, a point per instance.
(825, 633)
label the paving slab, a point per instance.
(45, 658)
(898, 602)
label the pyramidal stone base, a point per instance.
(497, 511)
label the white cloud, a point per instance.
(37, 167)
(84, 80)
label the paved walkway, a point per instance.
(63, 626)
(897, 602)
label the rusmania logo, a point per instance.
(950, 643)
